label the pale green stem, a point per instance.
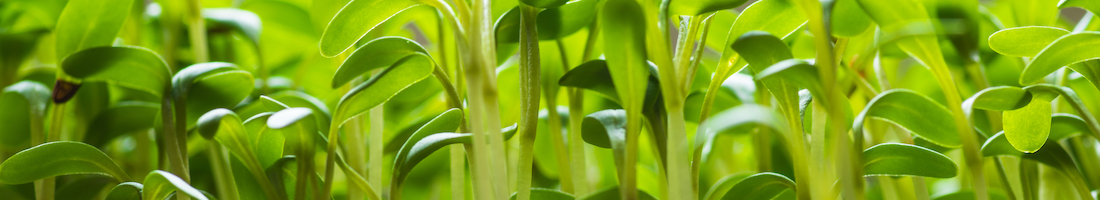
(554, 123)
(175, 156)
(356, 148)
(529, 81)
(44, 189)
(197, 32)
(376, 127)
(223, 173)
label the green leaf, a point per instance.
(623, 26)
(382, 86)
(544, 3)
(58, 158)
(448, 121)
(1091, 6)
(89, 23)
(122, 118)
(759, 16)
(159, 184)
(848, 19)
(902, 17)
(699, 7)
(19, 103)
(1024, 41)
(293, 98)
(1052, 154)
(761, 186)
(895, 159)
(1027, 128)
(593, 75)
(556, 23)
(1066, 50)
(244, 21)
(118, 65)
(915, 112)
(206, 86)
(797, 72)
(431, 143)
(224, 126)
(125, 191)
(268, 144)
(720, 188)
(740, 116)
(356, 19)
(761, 49)
(605, 128)
(378, 53)
(969, 194)
(1064, 125)
(545, 194)
(613, 193)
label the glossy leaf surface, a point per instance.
(58, 158)
(895, 159)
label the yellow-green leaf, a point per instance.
(1024, 41)
(58, 158)
(1066, 50)
(357, 18)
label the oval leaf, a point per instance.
(58, 158)
(915, 112)
(1066, 50)
(894, 159)
(605, 128)
(623, 26)
(759, 16)
(1027, 128)
(89, 23)
(382, 86)
(118, 64)
(357, 18)
(556, 23)
(1024, 41)
(448, 121)
(378, 53)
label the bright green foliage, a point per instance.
(1066, 50)
(759, 187)
(89, 23)
(1024, 41)
(892, 159)
(546, 194)
(623, 27)
(356, 19)
(58, 158)
(606, 128)
(160, 184)
(378, 53)
(383, 86)
(1027, 128)
(241, 20)
(116, 65)
(915, 112)
(699, 7)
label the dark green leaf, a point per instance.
(796, 72)
(118, 65)
(1052, 154)
(556, 23)
(20, 102)
(58, 158)
(605, 128)
(125, 191)
(122, 118)
(355, 20)
(759, 16)
(1063, 125)
(719, 189)
(895, 159)
(593, 75)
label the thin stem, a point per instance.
(1001, 171)
(223, 173)
(554, 123)
(376, 134)
(175, 156)
(44, 189)
(197, 32)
